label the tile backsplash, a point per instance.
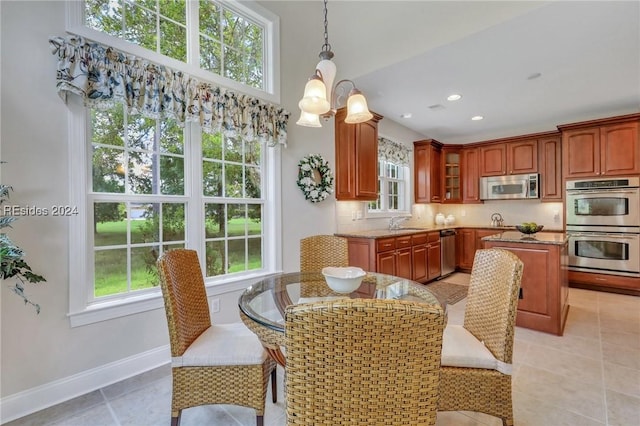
(351, 215)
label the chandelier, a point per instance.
(321, 98)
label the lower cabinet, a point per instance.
(413, 256)
(544, 288)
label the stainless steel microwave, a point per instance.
(511, 187)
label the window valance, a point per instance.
(393, 152)
(104, 76)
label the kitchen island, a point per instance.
(545, 287)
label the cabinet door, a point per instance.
(619, 149)
(419, 258)
(493, 160)
(581, 152)
(426, 171)
(386, 262)
(470, 175)
(522, 157)
(435, 267)
(366, 157)
(356, 162)
(403, 263)
(550, 154)
(465, 247)
(451, 176)
(481, 233)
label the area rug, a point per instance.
(448, 292)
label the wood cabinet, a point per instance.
(468, 240)
(451, 174)
(413, 256)
(356, 158)
(509, 158)
(427, 183)
(550, 164)
(470, 175)
(465, 248)
(434, 256)
(605, 282)
(606, 147)
(544, 288)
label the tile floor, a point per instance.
(590, 376)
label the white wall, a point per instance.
(44, 360)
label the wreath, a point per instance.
(309, 168)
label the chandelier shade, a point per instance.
(320, 95)
(308, 120)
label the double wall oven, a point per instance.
(603, 223)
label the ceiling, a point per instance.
(407, 57)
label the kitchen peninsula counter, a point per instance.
(382, 233)
(545, 286)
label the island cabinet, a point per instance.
(605, 147)
(509, 158)
(544, 288)
(414, 256)
(427, 179)
(356, 158)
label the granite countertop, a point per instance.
(556, 238)
(382, 233)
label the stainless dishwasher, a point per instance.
(447, 251)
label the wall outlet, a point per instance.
(463, 213)
(353, 215)
(214, 305)
(359, 214)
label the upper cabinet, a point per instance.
(470, 175)
(356, 158)
(451, 174)
(509, 158)
(607, 147)
(550, 165)
(427, 183)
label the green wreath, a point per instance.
(315, 178)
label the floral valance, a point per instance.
(393, 152)
(104, 76)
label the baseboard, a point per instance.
(35, 399)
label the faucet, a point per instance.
(394, 223)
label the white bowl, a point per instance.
(343, 279)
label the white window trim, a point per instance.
(271, 93)
(407, 193)
(81, 312)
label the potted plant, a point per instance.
(12, 263)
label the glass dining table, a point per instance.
(262, 305)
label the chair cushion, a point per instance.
(460, 348)
(223, 344)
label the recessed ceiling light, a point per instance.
(454, 97)
(406, 115)
(477, 118)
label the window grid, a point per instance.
(392, 184)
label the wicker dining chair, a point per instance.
(318, 251)
(477, 356)
(362, 362)
(210, 364)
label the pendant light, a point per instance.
(321, 97)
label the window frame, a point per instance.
(82, 310)
(407, 195)
(257, 13)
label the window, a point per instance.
(393, 180)
(236, 43)
(150, 185)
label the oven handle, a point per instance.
(603, 234)
(601, 191)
